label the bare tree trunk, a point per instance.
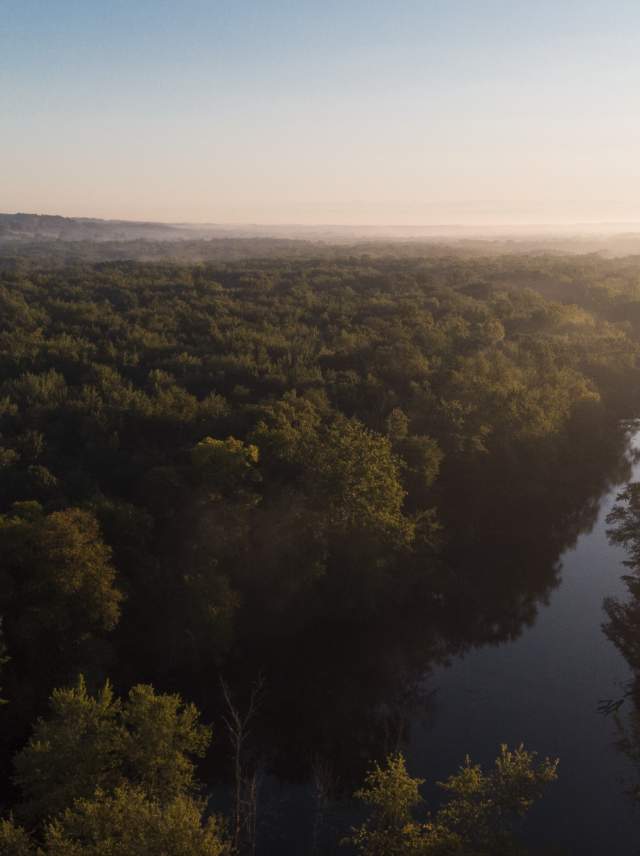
(322, 783)
(245, 780)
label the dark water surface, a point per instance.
(510, 651)
(543, 689)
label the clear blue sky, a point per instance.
(319, 111)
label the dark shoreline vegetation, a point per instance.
(272, 486)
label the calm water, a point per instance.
(542, 689)
(531, 566)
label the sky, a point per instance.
(322, 111)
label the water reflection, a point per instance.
(519, 594)
(543, 687)
(622, 626)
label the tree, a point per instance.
(126, 822)
(15, 841)
(129, 821)
(284, 432)
(392, 795)
(354, 475)
(88, 742)
(227, 466)
(162, 736)
(397, 424)
(245, 781)
(482, 807)
(58, 584)
(476, 818)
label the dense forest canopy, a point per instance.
(234, 466)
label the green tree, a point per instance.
(284, 433)
(354, 474)
(227, 466)
(391, 795)
(481, 807)
(476, 819)
(88, 742)
(15, 841)
(59, 582)
(162, 735)
(128, 822)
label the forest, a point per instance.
(248, 501)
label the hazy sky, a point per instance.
(321, 111)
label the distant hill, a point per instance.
(68, 239)
(46, 227)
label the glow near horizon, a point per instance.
(341, 111)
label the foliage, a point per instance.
(475, 820)
(98, 741)
(355, 475)
(14, 840)
(481, 807)
(128, 822)
(392, 794)
(226, 462)
(59, 595)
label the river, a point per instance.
(543, 689)
(512, 652)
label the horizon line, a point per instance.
(334, 225)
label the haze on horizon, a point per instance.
(355, 113)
